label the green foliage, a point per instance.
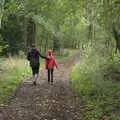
(59, 24)
(13, 71)
(65, 54)
(3, 45)
(14, 39)
(53, 24)
(96, 79)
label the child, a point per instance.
(50, 65)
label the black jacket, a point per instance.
(34, 57)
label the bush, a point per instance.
(95, 80)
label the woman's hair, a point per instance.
(33, 45)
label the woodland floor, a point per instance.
(44, 101)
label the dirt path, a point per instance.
(45, 101)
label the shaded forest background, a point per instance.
(59, 24)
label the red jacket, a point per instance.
(52, 62)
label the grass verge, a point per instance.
(13, 71)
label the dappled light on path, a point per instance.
(45, 101)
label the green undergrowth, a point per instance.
(13, 71)
(97, 81)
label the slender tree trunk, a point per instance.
(107, 21)
(31, 32)
(25, 35)
(46, 43)
(117, 39)
(2, 3)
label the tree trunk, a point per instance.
(31, 30)
(117, 39)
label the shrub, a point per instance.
(95, 80)
(13, 71)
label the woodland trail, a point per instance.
(45, 101)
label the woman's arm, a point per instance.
(44, 57)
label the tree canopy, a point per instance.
(59, 24)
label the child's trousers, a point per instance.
(50, 75)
